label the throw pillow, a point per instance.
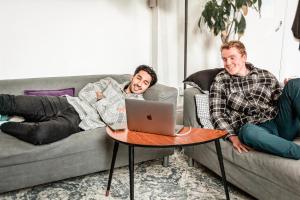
(202, 108)
(59, 92)
(202, 79)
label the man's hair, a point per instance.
(237, 44)
(149, 70)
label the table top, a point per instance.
(196, 136)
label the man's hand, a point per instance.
(286, 80)
(99, 95)
(238, 145)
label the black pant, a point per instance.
(47, 118)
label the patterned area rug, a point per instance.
(152, 181)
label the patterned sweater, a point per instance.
(97, 113)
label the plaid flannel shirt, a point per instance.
(97, 113)
(236, 100)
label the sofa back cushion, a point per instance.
(17, 86)
(202, 79)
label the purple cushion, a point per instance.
(60, 92)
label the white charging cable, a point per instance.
(184, 133)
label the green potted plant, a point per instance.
(227, 17)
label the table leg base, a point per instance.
(107, 193)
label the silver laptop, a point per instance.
(151, 117)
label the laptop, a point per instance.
(151, 117)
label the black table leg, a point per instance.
(220, 158)
(112, 166)
(131, 170)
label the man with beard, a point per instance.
(48, 118)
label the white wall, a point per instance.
(290, 62)
(268, 48)
(264, 35)
(168, 42)
(40, 38)
(203, 47)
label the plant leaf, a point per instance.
(199, 22)
(259, 4)
(239, 3)
(227, 16)
(233, 7)
(242, 25)
(240, 35)
(235, 25)
(249, 3)
(245, 10)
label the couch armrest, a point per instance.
(189, 107)
(160, 92)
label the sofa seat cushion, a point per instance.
(14, 151)
(281, 171)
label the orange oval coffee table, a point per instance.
(132, 138)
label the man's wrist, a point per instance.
(229, 135)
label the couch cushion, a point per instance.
(58, 92)
(160, 92)
(17, 86)
(282, 171)
(14, 151)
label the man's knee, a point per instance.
(22, 130)
(246, 132)
(293, 85)
(38, 133)
(295, 81)
(52, 131)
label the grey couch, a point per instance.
(23, 164)
(262, 175)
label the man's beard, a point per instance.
(132, 86)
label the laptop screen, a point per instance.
(150, 116)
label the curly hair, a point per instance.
(149, 70)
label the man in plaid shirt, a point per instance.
(250, 104)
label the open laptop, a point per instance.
(151, 117)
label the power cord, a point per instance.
(184, 133)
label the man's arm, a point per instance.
(217, 100)
(93, 92)
(277, 89)
(217, 107)
(111, 107)
(111, 110)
